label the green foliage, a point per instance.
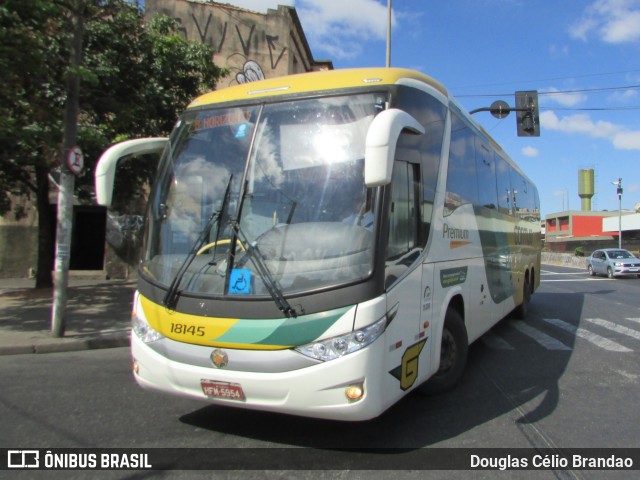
(32, 77)
(579, 252)
(135, 78)
(144, 75)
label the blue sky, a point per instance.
(582, 56)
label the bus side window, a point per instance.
(462, 186)
(507, 190)
(403, 246)
(486, 171)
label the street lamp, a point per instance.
(619, 191)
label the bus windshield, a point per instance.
(256, 198)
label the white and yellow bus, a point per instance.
(323, 244)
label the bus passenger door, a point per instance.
(404, 280)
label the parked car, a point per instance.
(613, 262)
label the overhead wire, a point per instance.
(567, 92)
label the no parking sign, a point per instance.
(75, 160)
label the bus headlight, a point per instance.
(342, 345)
(143, 330)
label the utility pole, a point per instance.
(619, 192)
(71, 161)
(388, 63)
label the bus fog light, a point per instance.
(135, 367)
(354, 392)
(342, 345)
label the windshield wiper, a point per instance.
(271, 284)
(171, 297)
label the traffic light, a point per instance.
(527, 114)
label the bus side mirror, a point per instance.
(380, 145)
(106, 167)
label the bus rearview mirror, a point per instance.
(106, 167)
(381, 141)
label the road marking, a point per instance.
(492, 340)
(637, 320)
(574, 280)
(542, 338)
(594, 338)
(629, 376)
(615, 327)
(548, 272)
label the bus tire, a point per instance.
(453, 355)
(522, 311)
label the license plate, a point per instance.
(633, 269)
(226, 390)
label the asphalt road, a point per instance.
(567, 377)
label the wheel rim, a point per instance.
(448, 351)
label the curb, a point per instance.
(69, 345)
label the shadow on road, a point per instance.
(519, 383)
(90, 308)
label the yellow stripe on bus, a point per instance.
(315, 81)
(195, 329)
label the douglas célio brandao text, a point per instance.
(555, 461)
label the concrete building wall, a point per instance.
(19, 240)
(585, 226)
(566, 231)
(629, 221)
(253, 46)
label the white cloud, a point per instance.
(578, 123)
(619, 136)
(564, 99)
(623, 96)
(260, 6)
(334, 28)
(612, 21)
(627, 140)
(340, 27)
(530, 152)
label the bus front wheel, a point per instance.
(453, 355)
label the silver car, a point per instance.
(613, 262)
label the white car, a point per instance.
(613, 262)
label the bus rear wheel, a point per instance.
(522, 311)
(453, 355)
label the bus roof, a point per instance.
(332, 80)
(315, 82)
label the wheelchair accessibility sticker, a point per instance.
(240, 281)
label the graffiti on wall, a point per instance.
(225, 38)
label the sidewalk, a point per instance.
(98, 315)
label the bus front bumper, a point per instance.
(318, 391)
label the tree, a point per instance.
(32, 67)
(135, 79)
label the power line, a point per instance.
(555, 92)
(572, 77)
(570, 92)
(597, 109)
